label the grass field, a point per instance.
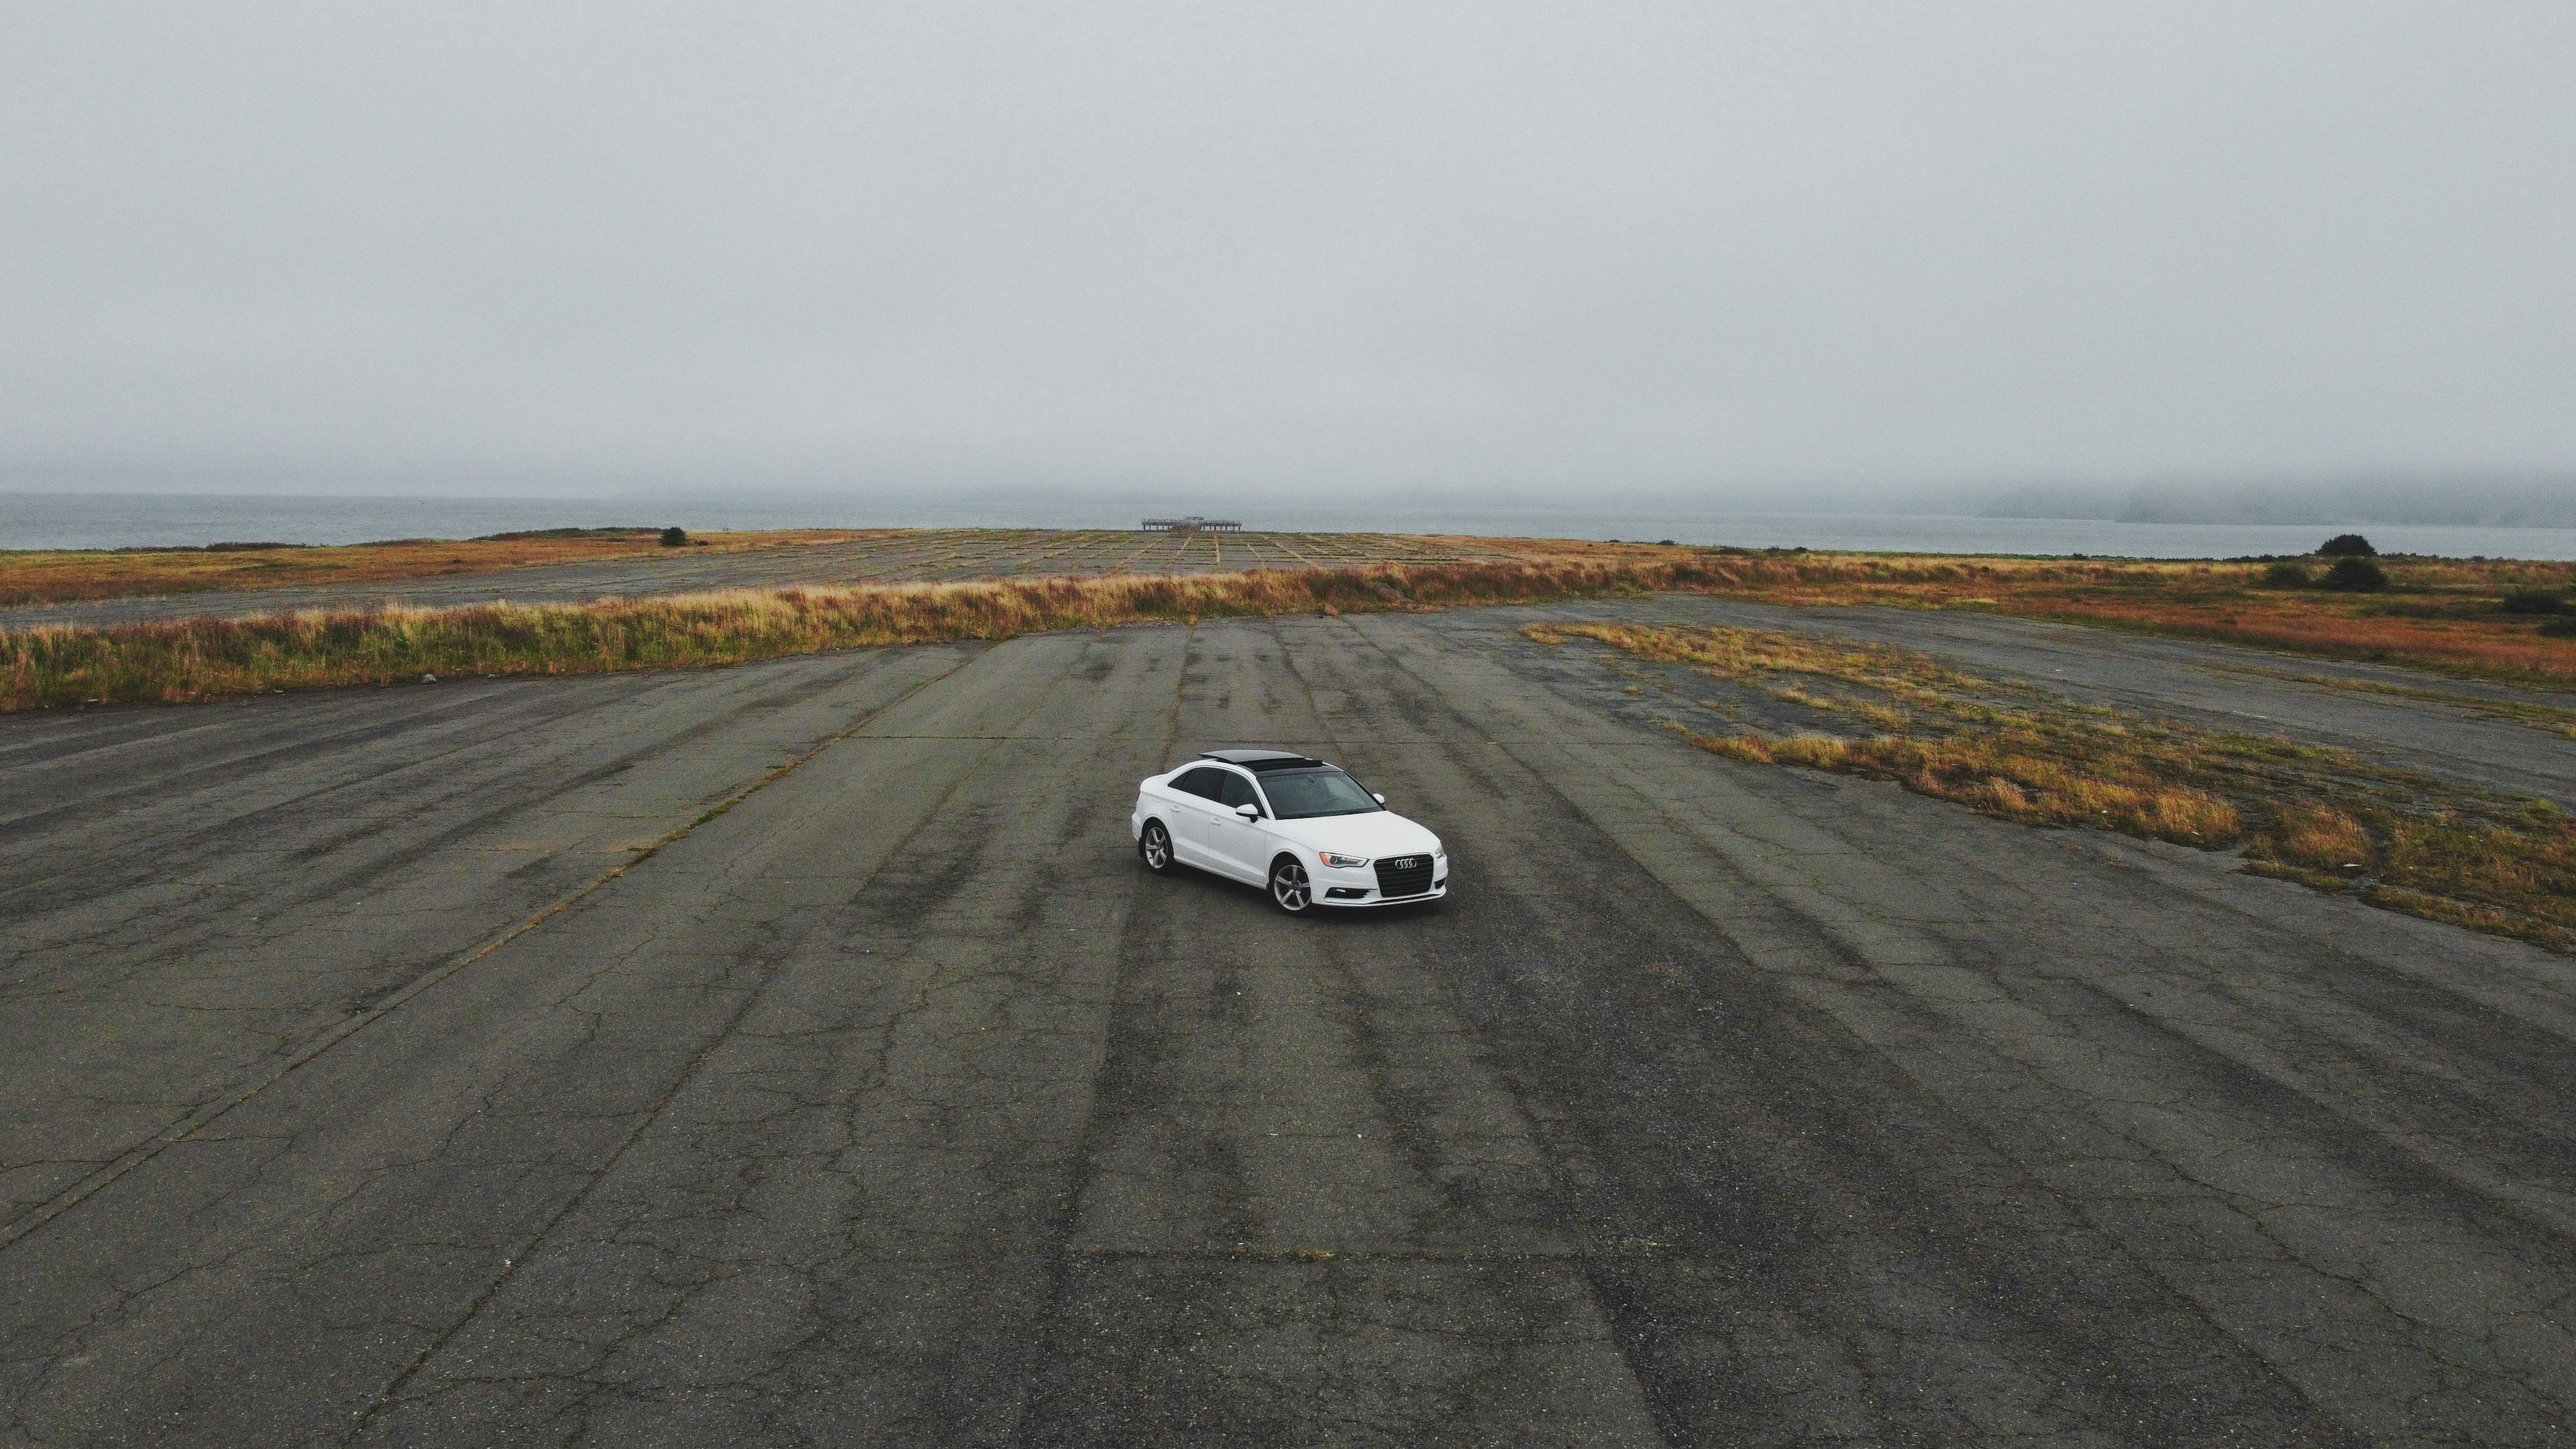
(2323, 817)
(840, 556)
(198, 659)
(2449, 616)
(53, 576)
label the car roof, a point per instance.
(1260, 759)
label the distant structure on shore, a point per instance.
(1192, 524)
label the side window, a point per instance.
(1202, 782)
(1238, 791)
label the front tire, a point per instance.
(1155, 845)
(1290, 891)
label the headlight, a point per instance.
(1341, 862)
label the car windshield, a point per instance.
(1303, 794)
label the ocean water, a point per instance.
(119, 520)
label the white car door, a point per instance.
(1239, 847)
(1193, 814)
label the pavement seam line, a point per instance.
(210, 1113)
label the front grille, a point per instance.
(1405, 875)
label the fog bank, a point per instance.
(1723, 252)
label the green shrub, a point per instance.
(2533, 601)
(675, 538)
(2346, 545)
(2355, 574)
(2287, 576)
(2562, 627)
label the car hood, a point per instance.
(1377, 833)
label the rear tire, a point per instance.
(1290, 891)
(1155, 845)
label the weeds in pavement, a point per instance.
(2549, 719)
(2445, 615)
(2323, 817)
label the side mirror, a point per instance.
(1248, 812)
(1381, 799)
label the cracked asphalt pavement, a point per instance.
(798, 1054)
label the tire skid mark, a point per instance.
(2310, 1201)
(1640, 1373)
(535, 1243)
(537, 715)
(1953, 1252)
(1062, 1254)
(331, 1036)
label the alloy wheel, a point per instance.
(1289, 888)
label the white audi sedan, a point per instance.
(1301, 827)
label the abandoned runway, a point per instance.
(797, 1053)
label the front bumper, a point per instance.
(1356, 888)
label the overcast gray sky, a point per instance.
(1592, 247)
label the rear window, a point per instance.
(1304, 794)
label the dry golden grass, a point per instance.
(208, 658)
(2004, 776)
(2322, 817)
(2319, 837)
(2440, 614)
(2313, 844)
(2525, 868)
(58, 576)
